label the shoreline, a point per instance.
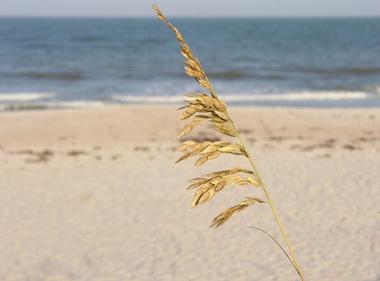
(306, 99)
(116, 124)
(97, 105)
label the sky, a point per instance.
(203, 8)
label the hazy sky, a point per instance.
(191, 7)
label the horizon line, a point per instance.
(190, 16)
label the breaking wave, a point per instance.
(20, 97)
(302, 96)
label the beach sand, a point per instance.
(93, 194)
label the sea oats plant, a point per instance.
(202, 107)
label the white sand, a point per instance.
(94, 195)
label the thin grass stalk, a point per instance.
(295, 263)
(203, 107)
(278, 244)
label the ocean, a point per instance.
(301, 62)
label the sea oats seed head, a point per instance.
(227, 214)
(193, 68)
(202, 107)
(209, 150)
(208, 185)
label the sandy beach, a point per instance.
(94, 194)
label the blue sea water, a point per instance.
(317, 62)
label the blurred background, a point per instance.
(300, 54)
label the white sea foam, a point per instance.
(321, 96)
(75, 104)
(302, 96)
(147, 99)
(6, 97)
(20, 101)
(50, 105)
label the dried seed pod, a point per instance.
(209, 150)
(234, 149)
(201, 161)
(193, 67)
(228, 172)
(213, 155)
(208, 107)
(225, 128)
(185, 145)
(208, 185)
(203, 195)
(189, 127)
(227, 214)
